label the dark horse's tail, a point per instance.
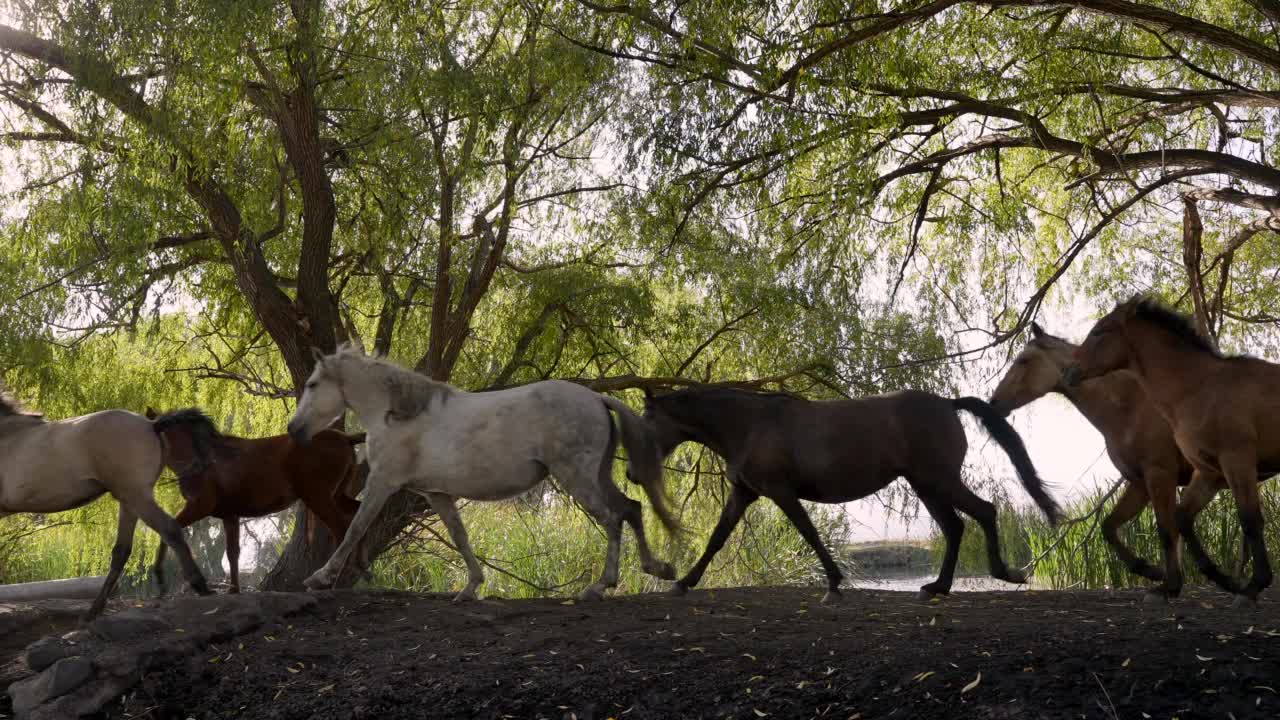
(1003, 433)
(205, 436)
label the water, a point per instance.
(911, 580)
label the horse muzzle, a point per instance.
(1072, 376)
(298, 431)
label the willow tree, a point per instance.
(426, 178)
(980, 150)
(302, 165)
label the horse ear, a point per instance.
(358, 344)
(151, 414)
(319, 356)
(1036, 330)
(648, 395)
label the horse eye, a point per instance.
(311, 385)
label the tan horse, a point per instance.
(1224, 411)
(48, 467)
(1139, 442)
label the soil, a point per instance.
(739, 653)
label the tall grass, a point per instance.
(549, 546)
(1076, 556)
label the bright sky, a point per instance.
(1068, 452)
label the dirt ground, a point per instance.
(741, 653)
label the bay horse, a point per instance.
(1139, 442)
(51, 466)
(1223, 412)
(444, 443)
(788, 449)
(253, 477)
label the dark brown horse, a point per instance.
(253, 477)
(790, 449)
(1224, 412)
(1139, 442)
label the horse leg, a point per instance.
(1204, 486)
(447, 509)
(231, 533)
(633, 515)
(125, 523)
(1162, 488)
(985, 514)
(740, 498)
(170, 534)
(953, 531)
(795, 512)
(630, 512)
(376, 495)
(196, 509)
(1242, 477)
(1130, 504)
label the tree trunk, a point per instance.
(299, 559)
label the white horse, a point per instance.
(445, 443)
(48, 467)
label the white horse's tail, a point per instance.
(643, 458)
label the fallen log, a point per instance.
(69, 589)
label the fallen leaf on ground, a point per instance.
(971, 685)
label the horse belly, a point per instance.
(42, 492)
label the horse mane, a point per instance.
(9, 405)
(13, 415)
(726, 392)
(203, 431)
(409, 393)
(1174, 323)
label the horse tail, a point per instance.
(644, 463)
(1004, 434)
(356, 438)
(205, 436)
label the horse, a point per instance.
(253, 477)
(1139, 442)
(51, 466)
(788, 449)
(1221, 410)
(445, 443)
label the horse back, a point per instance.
(59, 465)
(838, 450)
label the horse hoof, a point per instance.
(1156, 597)
(662, 571)
(678, 590)
(591, 594)
(833, 597)
(465, 596)
(1244, 601)
(932, 593)
(1017, 577)
(201, 588)
(317, 581)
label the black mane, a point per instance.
(721, 391)
(9, 406)
(1176, 324)
(204, 432)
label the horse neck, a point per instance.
(1167, 370)
(1106, 402)
(365, 392)
(723, 422)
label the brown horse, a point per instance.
(790, 449)
(1222, 411)
(253, 477)
(1139, 442)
